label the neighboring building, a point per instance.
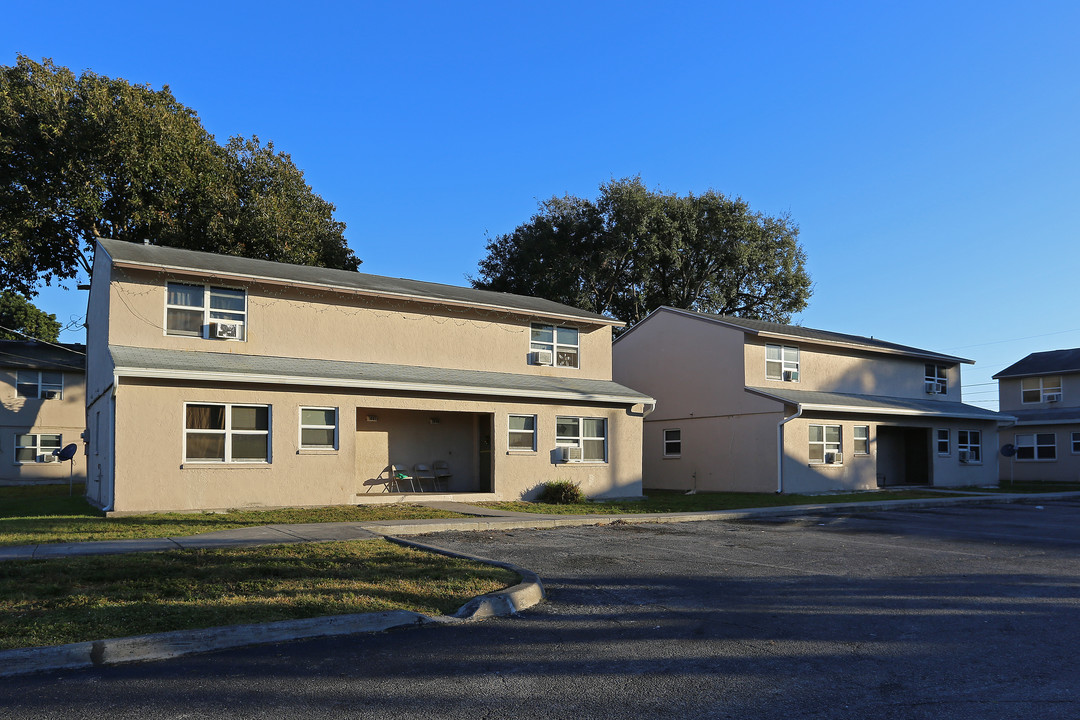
(1043, 392)
(748, 405)
(44, 409)
(224, 382)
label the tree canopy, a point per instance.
(19, 314)
(88, 156)
(634, 249)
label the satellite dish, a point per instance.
(68, 452)
(1008, 450)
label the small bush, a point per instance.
(560, 492)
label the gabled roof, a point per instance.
(228, 267)
(878, 404)
(1042, 363)
(237, 368)
(765, 329)
(1053, 416)
(33, 355)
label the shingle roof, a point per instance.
(772, 329)
(871, 404)
(30, 355)
(213, 265)
(228, 367)
(1054, 416)
(1041, 363)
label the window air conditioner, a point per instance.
(542, 357)
(963, 456)
(791, 376)
(571, 454)
(225, 330)
(834, 458)
(1052, 397)
(50, 394)
(932, 387)
(47, 458)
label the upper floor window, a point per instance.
(782, 363)
(969, 445)
(39, 384)
(554, 345)
(205, 311)
(936, 377)
(1037, 446)
(226, 433)
(1040, 389)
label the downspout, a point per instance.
(112, 450)
(780, 448)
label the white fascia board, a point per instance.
(248, 378)
(861, 410)
(234, 277)
(1023, 423)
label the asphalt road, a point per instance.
(965, 612)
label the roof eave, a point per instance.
(858, 409)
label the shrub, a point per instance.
(560, 492)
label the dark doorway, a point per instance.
(903, 456)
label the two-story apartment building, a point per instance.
(747, 405)
(225, 382)
(1042, 392)
(44, 410)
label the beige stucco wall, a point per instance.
(64, 416)
(830, 369)
(152, 476)
(290, 322)
(1009, 397)
(1066, 467)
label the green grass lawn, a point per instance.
(666, 501)
(52, 602)
(47, 514)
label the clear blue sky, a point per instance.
(929, 151)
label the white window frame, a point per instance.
(1039, 446)
(511, 432)
(208, 312)
(1044, 388)
(938, 439)
(556, 346)
(1075, 440)
(668, 442)
(229, 432)
(22, 379)
(937, 374)
(303, 427)
(855, 439)
(782, 363)
(37, 446)
(964, 444)
(827, 446)
(581, 437)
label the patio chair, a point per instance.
(399, 473)
(422, 472)
(442, 473)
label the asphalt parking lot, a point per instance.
(959, 612)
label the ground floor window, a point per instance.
(860, 436)
(673, 443)
(318, 428)
(28, 447)
(1036, 446)
(522, 432)
(1076, 442)
(969, 445)
(585, 438)
(943, 442)
(226, 433)
(825, 443)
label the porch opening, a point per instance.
(391, 443)
(903, 456)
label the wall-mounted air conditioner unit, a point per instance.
(1052, 397)
(933, 388)
(226, 330)
(47, 458)
(542, 357)
(571, 454)
(963, 456)
(791, 376)
(50, 394)
(834, 458)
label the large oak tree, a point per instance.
(633, 249)
(88, 156)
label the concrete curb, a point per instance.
(166, 645)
